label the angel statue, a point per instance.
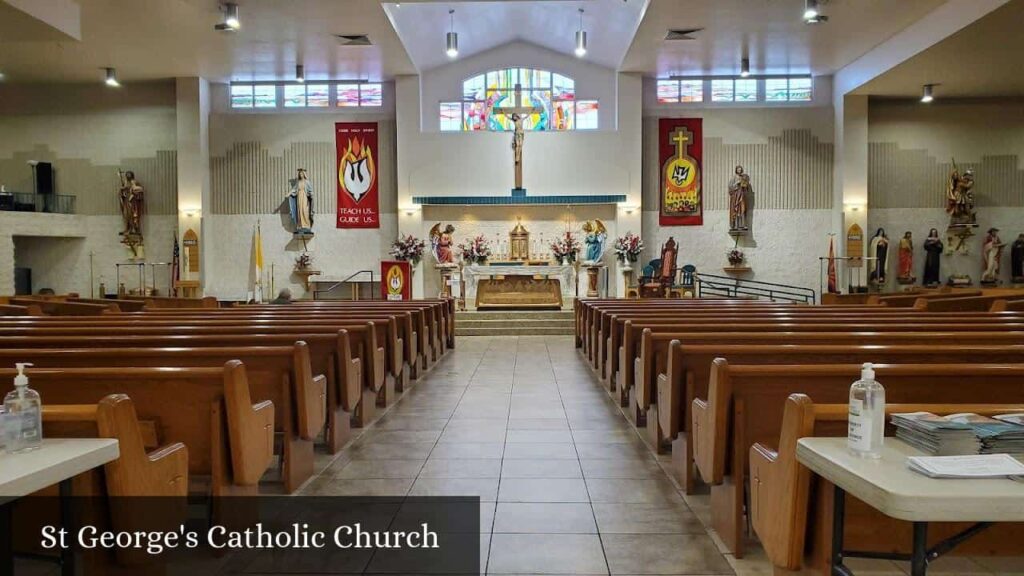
(960, 198)
(596, 240)
(441, 244)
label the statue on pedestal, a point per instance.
(933, 252)
(130, 197)
(960, 198)
(739, 192)
(1017, 260)
(596, 240)
(441, 243)
(906, 259)
(880, 250)
(991, 253)
(300, 203)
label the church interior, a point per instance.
(517, 270)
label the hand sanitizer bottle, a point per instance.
(866, 430)
(23, 421)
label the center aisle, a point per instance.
(566, 483)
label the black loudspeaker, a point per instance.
(23, 281)
(44, 178)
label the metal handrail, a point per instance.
(736, 287)
(345, 281)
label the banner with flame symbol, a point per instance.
(680, 149)
(397, 277)
(358, 200)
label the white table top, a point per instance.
(58, 459)
(893, 489)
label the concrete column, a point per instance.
(407, 128)
(629, 123)
(194, 200)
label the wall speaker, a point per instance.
(44, 178)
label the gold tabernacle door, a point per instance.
(519, 292)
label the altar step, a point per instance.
(514, 323)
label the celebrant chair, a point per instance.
(650, 285)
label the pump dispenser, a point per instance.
(23, 418)
(866, 431)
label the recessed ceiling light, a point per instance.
(452, 38)
(745, 67)
(926, 93)
(111, 78)
(581, 39)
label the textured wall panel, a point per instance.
(95, 185)
(249, 179)
(790, 171)
(900, 178)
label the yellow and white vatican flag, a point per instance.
(256, 268)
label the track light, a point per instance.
(745, 67)
(300, 73)
(231, 21)
(111, 78)
(926, 93)
(581, 39)
(452, 38)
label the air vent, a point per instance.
(353, 39)
(682, 34)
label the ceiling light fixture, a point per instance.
(926, 93)
(452, 38)
(581, 39)
(745, 67)
(231, 21)
(300, 73)
(111, 79)
(812, 12)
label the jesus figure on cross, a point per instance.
(518, 113)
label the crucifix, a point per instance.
(518, 112)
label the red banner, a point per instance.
(680, 149)
(358, 200)
(396, 280)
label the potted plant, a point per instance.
(476, 250)
(304, 262)
(565, 249)
(735, 256)
(628, 249)
(408, 248)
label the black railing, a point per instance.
(353, 278)
(29, 202)
(712, 285)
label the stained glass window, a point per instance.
(295, 95)
(241, 95)
(691, 91)
(370, 95)
(264, 95)
(800, 89)
(721, 91)
(451, 116)
(551, 96)
(586, 115)
(668, 91)
(776, 89)
(347, 95)
(318, 95)
(746, 90)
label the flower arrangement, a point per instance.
(628, 247)
(565, 248)
(408, 248)
(476, 250)
(735, 256)
(304, 261)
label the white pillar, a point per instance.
(194, 200)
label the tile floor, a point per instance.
(566, 483)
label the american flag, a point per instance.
(175, 267)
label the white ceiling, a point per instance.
(771, 32)
(153, 39)
(982, 60)
(483, 25)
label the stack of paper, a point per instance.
(978, 466)
(935, 434)
(1003, 434)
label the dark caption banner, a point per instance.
(245, 535)
(358, 197)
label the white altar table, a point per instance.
(566, 276)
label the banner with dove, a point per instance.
(358, 200)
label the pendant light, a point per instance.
(111, 79)
(745, 67)
(452, 38)
(581, 39)
(300, 73)
(926, 93)
(230, 23)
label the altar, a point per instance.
(536, 285)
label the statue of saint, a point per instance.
(906, 256)
(880, 250)
(130, 196)
(441, 244)
(669, 252)
(597, 236)
(1017, 260)
(739, 191)
(300, 202)
(991, 252)
(933, 252)
(960, 198)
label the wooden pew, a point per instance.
(143, 468)
(162, 302)
(27, 310)
(209, 410)
(745, 405)
(792, 515)
(910, 300)
(962, 304)
(57, 308)
(689, 369)
(280, 376)
(1007, 305)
